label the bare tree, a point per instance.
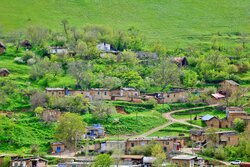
(65, 26)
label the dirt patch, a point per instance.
(120, 110)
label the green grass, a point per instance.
(199, 112)
(173, 130)
(176, 23)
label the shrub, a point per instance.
(162, 108)
(31, 61)
(19, 60)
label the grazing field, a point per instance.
(173, 130)
(176, 23)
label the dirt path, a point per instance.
(172, 120)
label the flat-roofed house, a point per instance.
(184, 160)
(57, 147)
(100, 94)
(173, 96)
(169, 144)
(28, 162)
(56, 91)
(59, 50)
(125, 94)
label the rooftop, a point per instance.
(152, 138)
(184, 157)
(132, 157)
(231, 82)
(4, 70)
(207, 117)
(54, 89)
(218, 95)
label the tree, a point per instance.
(101, 110)
(103, 160)
(239, 125)
(81, 71)
(38, 99)
(159, 154)
(65, 23)
(167, 73)
(39, 111)
(37, 35)
(70, 128)
(16, 38)
(189, 78)
(211, 136)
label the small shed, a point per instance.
(57, 147)
(4, 72)
(180, 61)
(2, 48)
(26, 44)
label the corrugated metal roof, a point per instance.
(207, 117)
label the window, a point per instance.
(167, 143)
(228, 138)
(132, 144)
(168, 95)
(98, 93)
(105, 93)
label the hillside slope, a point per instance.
(176, 23)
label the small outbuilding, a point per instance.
(26, 44)
(4, 72)
(2, 48)
(57, 147)
(184, 160)
(180, 61)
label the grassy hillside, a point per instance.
(177, 23)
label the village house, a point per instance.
(73, 164)
(2, 48)
(148, 161)
(125, 94)
(59, 50)
(180, 61)
(173, 96)
(227, 87)
(216, 98)
(4, 72)
(57, 147)
(99, 94)
(106, 48)
(28, 162)
(184, 160)
(112, 146)
(26, 44)
(95, 131)
(132, 160)
(225, 138)
(211, 121)
(169, 144)
(60, 92)
(51, 115)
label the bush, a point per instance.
(162, 108)
(19, 60)
(31, 61)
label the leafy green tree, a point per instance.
(167, 73)
(159, 154)
(103, 160)
(189, 78)
(39, 110)
(37, 35)
(70, 128)
(101, 110)
(6, 161)
(239, 125)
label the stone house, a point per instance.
(112, 146)
(169, 144)
(4, 72)
(26, 44)
(130, 160)
(225, 138)
(99, 94)
(125, 94)
(28, 162)
(173, 96)
(95, 131)
(211, 121)
(184, 160)
(59, 50)
(227, 87)
(51, 115)
(2, 48)
(57, 147)
(60, 92)
(180, 61)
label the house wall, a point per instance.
(173, 97)
(232, 116)
(4, 74)
(54, 147)
(1, 160)
(231, 140)
(59, 93)
(51, 115)
(225, 124)
(197, 138)
(167, 145)
(183, 163)
(214, 122)
(2, 50)
(100, 94)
